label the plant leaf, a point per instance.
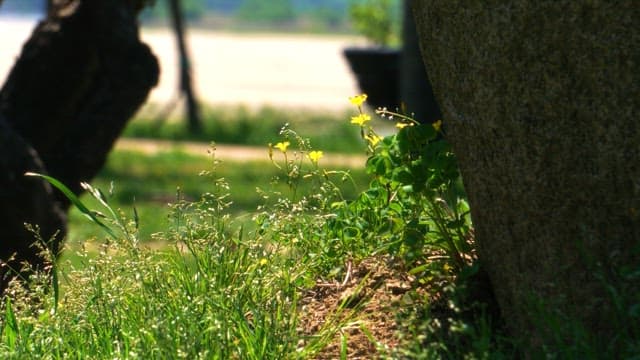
(74, 200)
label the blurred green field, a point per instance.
(257, 127)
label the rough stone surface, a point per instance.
(540, 101)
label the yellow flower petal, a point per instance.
(437, 125)
(358, 100)
(282, 146)
(401, 125)
(315, 155)
(373, 139)
(360, 119)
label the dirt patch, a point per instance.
(363, 306)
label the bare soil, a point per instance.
(367, 303)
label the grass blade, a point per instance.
(74, 200)
(10, 331)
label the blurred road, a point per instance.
(230, 68)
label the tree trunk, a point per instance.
(186, 87)
(541, 103)
(24, 200)
(80, 77)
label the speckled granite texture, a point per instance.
(541, 100)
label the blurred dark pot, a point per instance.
(377, 71)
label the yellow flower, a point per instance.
(264, 261)
(314, 156)
(373, 139)
(401, 125)
(283, 146)
(437, 125)
(360, 119)
(358, 100)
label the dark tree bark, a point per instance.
(80, 77)
(186, 87)
(541, 103)
(24, 200)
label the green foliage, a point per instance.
(191, 9)
(415, 205)
(414, 208)
(96, 193)
(297, 216)
(327, 19)
(273, 11)
(377, 20)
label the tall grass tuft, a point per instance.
(213, 293)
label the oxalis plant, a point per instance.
(415, 206)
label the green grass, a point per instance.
(329, 131)
(214, 290)
(150, 182)
(212, 297)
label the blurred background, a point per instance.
(252, 52)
